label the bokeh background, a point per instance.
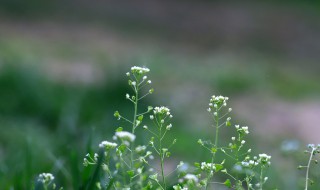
(62, 76)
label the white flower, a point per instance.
(233, 138)
(46, 177)
(140, 149)
(149, 81)
(264, 156)
(245, 130)
(207, 166)
(127, 96)
(108, 145)
(144, 77)
(125, 135)
(245, 164)
(243, 141)
(264, 159)
(169, 126)
(133, 83)
(151, 117)
(139, 70)
(191, 177)
(161, 110)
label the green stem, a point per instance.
(133, 128)
(217, 131)
(215, 144)
(308, 167)
(161, 159)
(261, 178)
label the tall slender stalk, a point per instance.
(308, 167)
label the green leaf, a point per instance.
(218, 167)
(227, 183)
(122, 148)
(214, 150)
(140, 118)
(130, 173)
(119, 129)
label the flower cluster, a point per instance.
(45, 178)
(108, 145)
(313, 146)
(125, 136)
(264, 159)
(242, 130)
(162, 110)
(216, 102)
(139, 70)
(191, 177)
(207, 166)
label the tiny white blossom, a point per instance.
(161, 110)
(107, 144)
(169, 126)
(125, 135)
(139, 70)
(140, 149)
(191, 177)
(45, 177)
(149, 81)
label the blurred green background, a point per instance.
(63, 65)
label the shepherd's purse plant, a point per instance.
(123, 164)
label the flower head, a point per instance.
(108, 145)
(161, 110)
(46, 178)
(125, 136)
(139, 70)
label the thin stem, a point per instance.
(217, 131)
(261, 178)
(216, 119)
(308, 167)
(161, 158)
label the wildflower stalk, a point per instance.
(308, 166)
(162, 159)
(160, 117)
(134, 123)
(261, 178)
